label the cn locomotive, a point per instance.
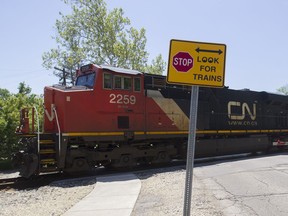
(116, 117)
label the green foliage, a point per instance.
(283, 89)
(91, 34)
(10, 105)
(157, 67)
(23, 89)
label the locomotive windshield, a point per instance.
(86, 80)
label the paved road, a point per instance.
(250, 186)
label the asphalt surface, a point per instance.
(249, 186)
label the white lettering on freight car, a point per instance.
(245, 109)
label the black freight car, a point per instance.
(230, 121)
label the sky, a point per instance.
(255, 33)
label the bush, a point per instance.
(5, 165)
(10, 106)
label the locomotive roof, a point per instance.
(121, 70)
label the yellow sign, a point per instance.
(196, 63)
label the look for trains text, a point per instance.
(207, 68)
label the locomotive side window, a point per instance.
(107, 81)
(121, 82)
(117, 82)
(127, 83)
(137, 84)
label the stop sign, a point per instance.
(182, 61)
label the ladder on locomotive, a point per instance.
(47, 153)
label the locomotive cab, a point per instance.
(104, 99)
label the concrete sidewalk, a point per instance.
(113, 195)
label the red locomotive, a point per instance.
(121, 118)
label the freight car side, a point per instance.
(228, 121)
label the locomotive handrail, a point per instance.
(59, 130)
(38, 129)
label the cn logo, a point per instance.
(52, 115)
(245, 110)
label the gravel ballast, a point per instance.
(162, 192)
(54, 199)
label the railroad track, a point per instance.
(8, 180)
(20, 183)
(11, 182)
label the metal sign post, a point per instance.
(197, 64)
(191, 150)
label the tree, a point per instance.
(10, 105)
(283, 89)
(157, 67)
(23, 89)
(91, 34)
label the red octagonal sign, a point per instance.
(182, 61)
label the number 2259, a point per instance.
(122, 99)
